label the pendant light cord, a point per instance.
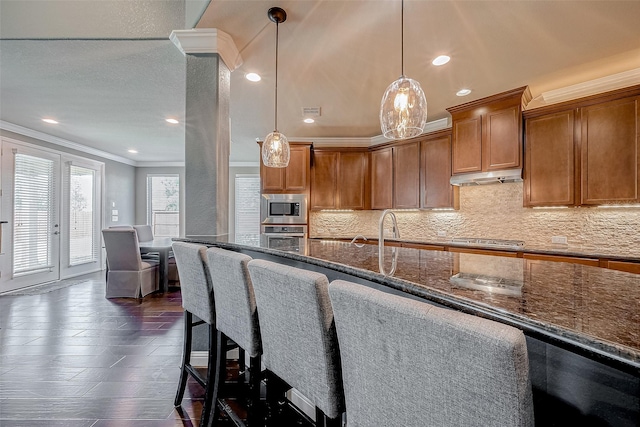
(402, 37)
(276, 107)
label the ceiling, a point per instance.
(106, 70)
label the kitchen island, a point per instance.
(582, 323)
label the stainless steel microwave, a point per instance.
(283, 209)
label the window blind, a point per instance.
(34, 203)
(247, 207)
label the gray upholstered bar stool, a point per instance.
(298, 337)
(197, 299)
(411, 364)
(236, 320)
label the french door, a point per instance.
(52, 204)
(30, 205)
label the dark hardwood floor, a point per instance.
(73, 358)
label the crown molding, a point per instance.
(63, 142)
(592, 87)
(208, 40)
(428, 128)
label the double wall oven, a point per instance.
(284, 222)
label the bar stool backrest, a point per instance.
(195, 282)
(412, 364)
(236, 314)
(298, 334)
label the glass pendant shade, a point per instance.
(275, 150)
(403, 110)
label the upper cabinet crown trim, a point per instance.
(522, 92)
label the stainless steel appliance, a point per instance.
(283, 209)
(288, 238)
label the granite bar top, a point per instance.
(590, 310)
(585, 251)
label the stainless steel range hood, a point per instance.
(493, 177)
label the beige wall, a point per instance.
(495, 211)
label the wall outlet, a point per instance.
(442, 233)
(560, 240)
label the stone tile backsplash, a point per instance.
(495, 211)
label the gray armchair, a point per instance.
(129, 276)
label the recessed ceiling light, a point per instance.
(309, 120)
(133, 151)
(463, 92)
(172, 121)
(253, 77)
(441, 60)
(51, 121)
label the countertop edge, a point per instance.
(560, 250)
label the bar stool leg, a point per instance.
(186, 358)
(211, 376)
(255, 416)
(221, 372)
(323, 421)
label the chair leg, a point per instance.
(241, 360)
(276, 400)
(255, 417)
(186, 358)
(220, 377)
(211, 376)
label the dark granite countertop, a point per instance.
(590, 310)
(584, 251)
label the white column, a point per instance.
(211, 55)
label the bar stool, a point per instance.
(197, 299)
(299, 339)
(236, 320)
(411, 364)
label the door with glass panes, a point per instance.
(51, 202)
(31, 237)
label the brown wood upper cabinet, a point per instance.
(382, 178)
(340, 179)
(549, 178)
(487, 133)
(584, 152)
(395, 176)
(295, 178)
(436, 190)
(610, 151)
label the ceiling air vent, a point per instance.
(310, 111)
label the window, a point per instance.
(82, 242)
(247, 209)
(34, 200)
(163, 205)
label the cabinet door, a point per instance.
(436, 189)
(296, 174)
(502, 143)
(406, 170)
(467, 145)
(353, 180)
(324, 178)
(549, 178)
(382, 179)
(610, 154)
(272, 179)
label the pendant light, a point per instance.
(275, 148)
(403, 110)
